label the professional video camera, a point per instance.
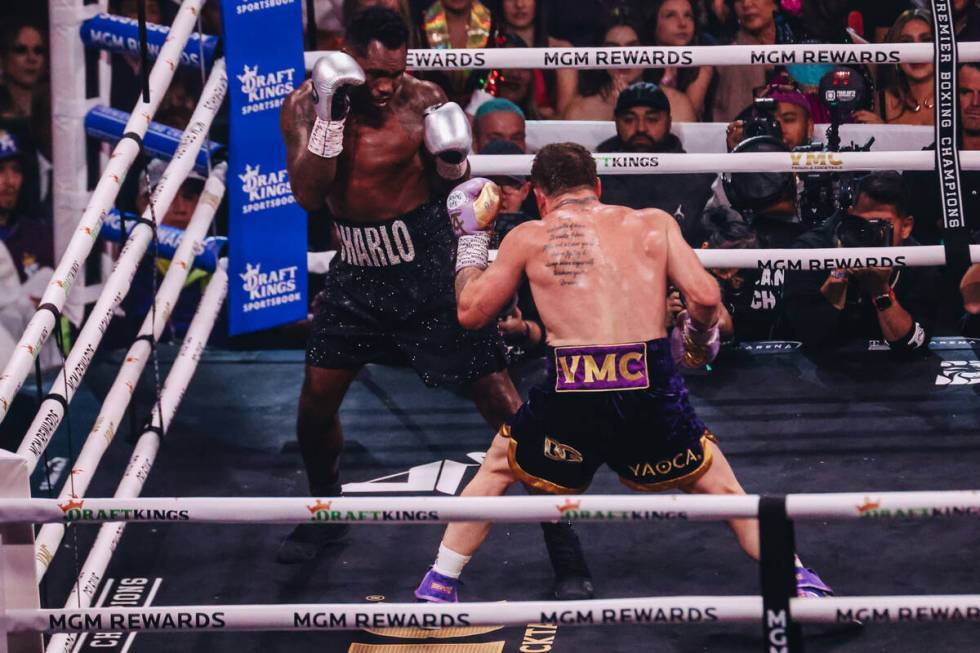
(842, 91)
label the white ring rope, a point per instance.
(144, 454)
(828, 258)
(116, 287)
(346, 616)
(653, 57)
(120, 394)
(430, 510)
(42, 323)
(632, 163)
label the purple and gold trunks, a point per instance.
(624, 405)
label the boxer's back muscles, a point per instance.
(599, 273)
(383, 170)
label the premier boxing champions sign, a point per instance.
(266, 228)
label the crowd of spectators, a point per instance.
(645, 106)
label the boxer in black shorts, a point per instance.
(380, 150)
(388, 298)
(599, 275)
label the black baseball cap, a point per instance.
(498, 146)
(642, 94)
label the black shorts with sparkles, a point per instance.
(389, 298)
(623, 405)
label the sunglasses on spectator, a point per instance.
(23, 49)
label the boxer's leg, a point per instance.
(497, 400)
(720, 479)
(321, 442)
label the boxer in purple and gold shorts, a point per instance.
(599, 277)
(623, 405)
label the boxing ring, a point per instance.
(27, 563)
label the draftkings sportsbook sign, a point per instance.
(266, 228)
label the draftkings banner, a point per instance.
(263, 46)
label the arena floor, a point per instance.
(857, 422)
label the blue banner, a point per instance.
(263, 46)
(122, 35)
(160, 141)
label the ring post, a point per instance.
(18, 588)
(778, 577)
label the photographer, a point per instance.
(897, 305)
(783, 113)
(765, 205)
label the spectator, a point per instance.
(877, 17)
(926, 204)
(456, 24)
(757, 26)
(674, 23)
(906, 95)
(643, 120)
(181, 209)
(719, 20)
(966, 16)
(598, 90)
(178, 103)
(351, 7)
(142, 291)
(23, 62)
(28, 238)
(898, 306)
(499, 120)
(519, 85)
(528, 19)
(581, 27)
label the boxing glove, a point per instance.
(334, 74)
(473, 206)
(693, 347)
(448, 138)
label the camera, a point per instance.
(842, 91)
(761, 120)
(855, 231)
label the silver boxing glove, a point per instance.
(448, 138)
(333, 76)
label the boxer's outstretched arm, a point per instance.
(685, 271)
(310, 176)
(482, 294)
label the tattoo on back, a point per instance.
(569, 251)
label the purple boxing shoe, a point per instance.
(809, 585)
(436, 588)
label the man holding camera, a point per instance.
(897, 305)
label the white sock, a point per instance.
(449, 563)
